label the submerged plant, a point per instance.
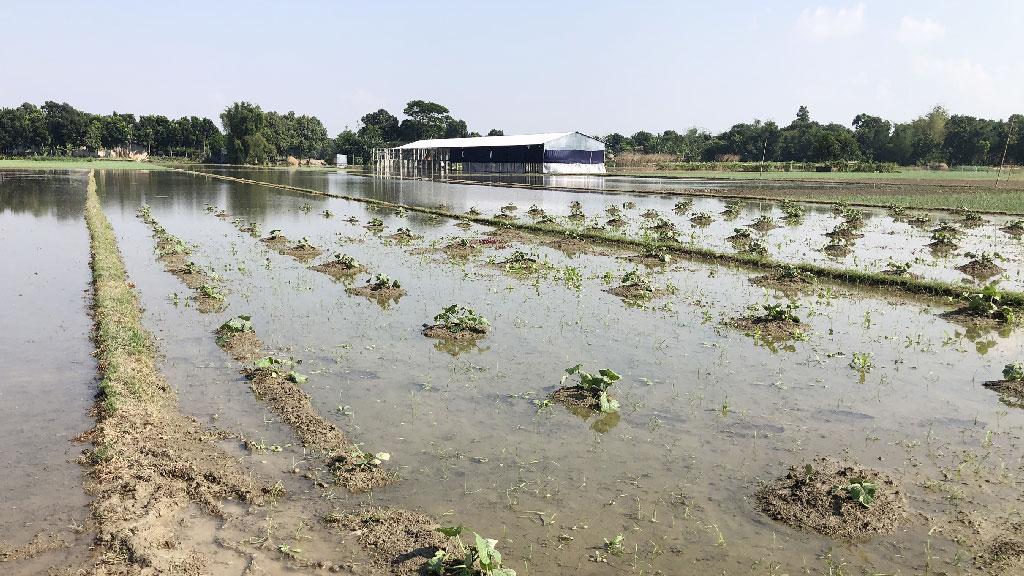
(756, 248)
(366, 460)
(521, 262)
(236, 325)
(779, 313)
(458, 319)
(988, 303)
(861, 362)
(383, 282)
(596, 385)
(345, 261)
(615, 546)
(792, 210)
(683, 205)
(211, 292)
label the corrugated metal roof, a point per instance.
(519, 140)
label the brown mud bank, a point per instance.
(273, 382)
(149, 464)
(174, 254)
(301, 250)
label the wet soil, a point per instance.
(399, 541)
(762, 225)
(39, 544)
(784, 281)
(1011, 392)
(981, 270)
(441, 332)
(816, 500)
(997, 542)
(772, 330)
(338, 270)
(295, 407)
(242, 346)
(576, 398)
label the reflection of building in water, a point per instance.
(551, 153)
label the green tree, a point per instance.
(244, 124)
(872, 135)
(495, 132)
(66, 126)
(385, 122)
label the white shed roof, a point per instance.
(519, 140)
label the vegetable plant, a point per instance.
(383, 282)
(483, 558)
(861, 490)
(236, 325)
(779, 313)
(596, 385)
(1014, 372)
(458, 319)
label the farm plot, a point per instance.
(601, 413)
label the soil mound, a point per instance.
(771, 330)
(339, 270)
(819, 497)
(399, 541)
(441, 332)
(1011, 392)
(981, 269)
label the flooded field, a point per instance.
(672, 480)
(929, 244)
(49, 376)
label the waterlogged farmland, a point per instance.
(692, 386)
(929, 244)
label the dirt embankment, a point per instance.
(277, 387)
(174, 254)
(149, 464)
(301, 250)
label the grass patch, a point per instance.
(51, 163)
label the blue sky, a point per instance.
(522, 66)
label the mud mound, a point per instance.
(772, 330)
(637, 292)
(399, 541)
(300, 251)
(441, 332)
(815, 497)
(242, 346)
(981, 269)
(381, 295)
(338, 270)
(1011, 392)
(575, 397)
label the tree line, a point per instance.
(253, 136)
(935, 137)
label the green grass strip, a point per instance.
(124, 349)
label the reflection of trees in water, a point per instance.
(54, 194)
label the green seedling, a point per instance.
(779, 313)
(295, 378)
(861, 491)
(211, 292)
(861, 362)
(615, 546)
(375, 223)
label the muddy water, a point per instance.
(48, 376)
(884, 241)
(706, 412)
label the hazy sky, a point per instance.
(522, 66)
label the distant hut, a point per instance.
(550, 153)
